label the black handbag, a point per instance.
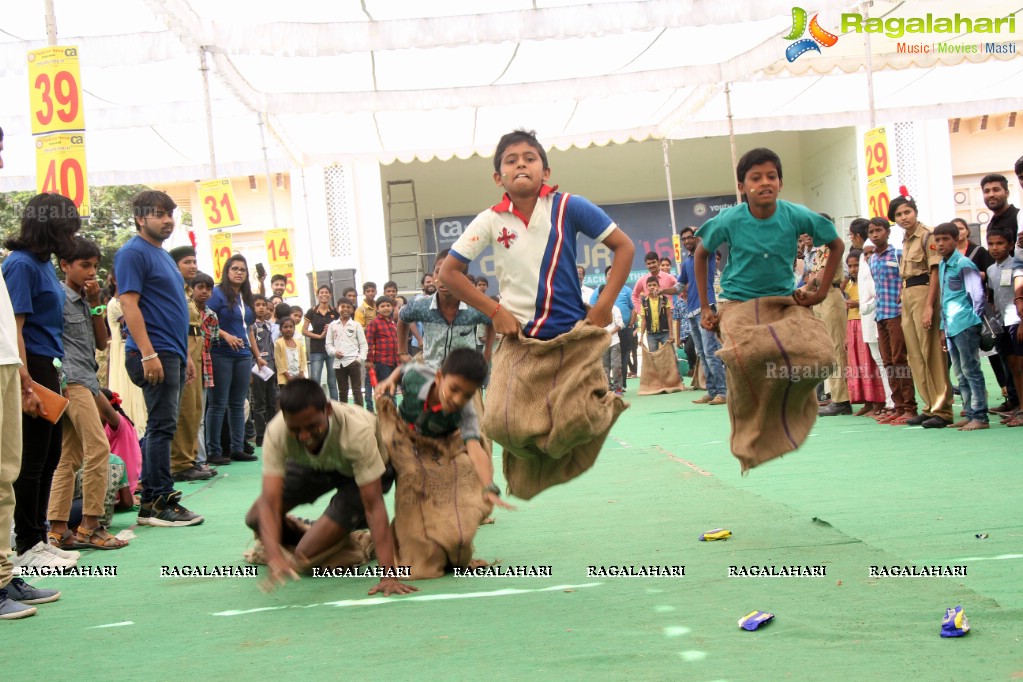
(990, 328)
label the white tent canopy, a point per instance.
(396, 80)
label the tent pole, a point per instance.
(667, 178)
(266, 168)
(308, 230)
(870, 71)
(51, 24)
(731, 135)
(209, 109)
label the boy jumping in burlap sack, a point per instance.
(444, 476)
(775, 351)
(548, 402)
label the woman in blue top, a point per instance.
(48, 226)
(233, 356)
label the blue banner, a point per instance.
(648, 223)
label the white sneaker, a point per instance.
(62, 553)
(39, 556)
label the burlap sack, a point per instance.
(549, 407)
(775, 353)
(698, 381)
(438, 498)
(659, 372)
(355, 550)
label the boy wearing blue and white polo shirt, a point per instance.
(533, 232)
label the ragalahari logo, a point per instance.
(818, 36)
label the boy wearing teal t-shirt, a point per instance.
(771, 413)
(762, 233)
(962, 310)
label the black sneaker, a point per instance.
(21, 591)
(219, 460)
(165, 512)
(12, 609)
(935, 423)
(203, 466)
(835, 409)
(919, 419)
(243, 457)
(249, 448)
(192, 473)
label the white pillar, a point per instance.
(374, 264)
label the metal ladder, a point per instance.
(405, 247)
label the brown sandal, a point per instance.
(63, 541)
(86, 538)
(1015, 421)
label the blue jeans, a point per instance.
(319, 362)
(163, 401)
(655, 340)
(230, 389)
(201, 455)
(707, 345)
(964, 351)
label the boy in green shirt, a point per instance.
(436, 403)
(770, 416)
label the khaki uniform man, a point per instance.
(832, 312)
(921, 316)
(185, 446)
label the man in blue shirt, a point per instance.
(156, 352)
(706, 342)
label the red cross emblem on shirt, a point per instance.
(506, 238)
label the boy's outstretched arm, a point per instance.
(624, 250)
(807, 298)
(452, 274)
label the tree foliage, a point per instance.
(110, 225)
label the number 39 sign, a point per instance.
(58, 123)
(55, 90)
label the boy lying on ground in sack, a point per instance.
(533, 231)
(437, 403)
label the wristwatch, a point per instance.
(492, 488)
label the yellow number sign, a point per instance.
(55, 90)
(676, 244)
(279, 245)
(60, 168)
(875, 143)
(221, 242)
(877, 198)
(218, 203)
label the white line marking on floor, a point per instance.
(373, 601)
(112, 625)
(1000, 557)
(693, 655)
(676, 631)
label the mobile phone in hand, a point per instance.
(260, 271)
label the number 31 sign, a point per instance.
(218, 203)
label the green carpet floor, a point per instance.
(856, 495)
